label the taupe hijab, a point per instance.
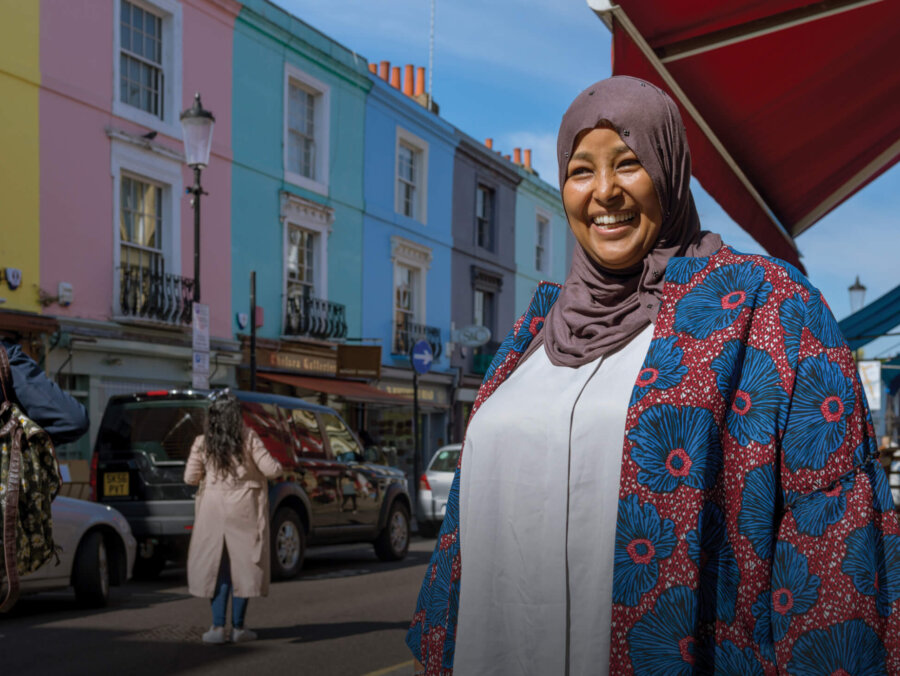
(600, 311)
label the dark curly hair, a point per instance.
(224, 433)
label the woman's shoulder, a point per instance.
(729, 266)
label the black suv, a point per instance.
(329, 493)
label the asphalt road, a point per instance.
(346, 614)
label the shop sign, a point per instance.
(303, 362)
(432, 395)
(870, 374)
(359, 361)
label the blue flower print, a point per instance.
(758, 402)
(500, 355)
(792, 315)
(813, 513)
(717, 302)
(675, 446)
(711, 552)
(794, 590)
(821, 322)
(643, 539)
(662, 641)
(756, 520)
(680, 270)
(873, 562)
(762, 630)
(662, 368)
(822, 401)
(732, 661)
(533, 322)
(882, 498)
(795, 275)
(850, 647)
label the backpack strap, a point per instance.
(6, 381)
(10, 520)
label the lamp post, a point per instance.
(197, 127)
(857, 295)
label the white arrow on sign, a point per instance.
(426, 358)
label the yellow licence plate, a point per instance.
(115, 484)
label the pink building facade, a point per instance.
(117, 228)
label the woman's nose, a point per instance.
(606, 187)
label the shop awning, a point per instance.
(350, 390)
(791, 106)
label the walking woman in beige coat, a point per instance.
(229, 551)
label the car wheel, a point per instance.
(428, 529)
(288, 544)
(90, 575)
(393, 541)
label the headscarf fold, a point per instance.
(599, 311)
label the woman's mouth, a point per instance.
(613, 221)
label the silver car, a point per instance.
(96, 550)
(434, 487)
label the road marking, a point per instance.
(390, 670)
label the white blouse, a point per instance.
(539, 488)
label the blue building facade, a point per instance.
(406, 267)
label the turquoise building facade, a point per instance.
(299, 103)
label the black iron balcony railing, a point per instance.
(154, 294)
(407, 333)
(315, 318)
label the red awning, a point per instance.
(791, 106)
(351, 390)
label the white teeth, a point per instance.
(612, 219)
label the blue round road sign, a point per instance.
(421, 357)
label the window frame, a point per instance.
(490, 218)
(417, 257)
(543, 217)
(134, 161)
(321, 129)
(406, 139)
(170, 12)
(314, 218)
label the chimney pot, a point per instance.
(528, 158)
(489, 142)
(373, 68)
(384, 70)
(395, 77)
(506, 157)
(517, 155)
(420, 81)
(408, 79)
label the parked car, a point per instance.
(328, 493)
(434, 488)
(97, 549)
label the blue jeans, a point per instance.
(220, 600)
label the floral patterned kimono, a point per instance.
(756, 531)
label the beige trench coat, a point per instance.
(234, 512)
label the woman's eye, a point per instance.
(577, 170)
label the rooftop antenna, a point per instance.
(431, 57)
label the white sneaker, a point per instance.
(215, 635)
(242, 635)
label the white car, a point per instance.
(97, 549)
(434, 489)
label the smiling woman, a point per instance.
(668, 452)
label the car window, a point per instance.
(266, 421)
(163, 430)
(307, 437)
(340, 437)
(445, 461)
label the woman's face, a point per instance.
(610, 200)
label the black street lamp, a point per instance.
(197, 127)
(857, 295)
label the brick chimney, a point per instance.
(489, 143)
(420, 81)
(373, 68)
(517, 156)
(408, 87)
(384, 70)
(528, 159)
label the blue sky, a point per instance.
(507, 69)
